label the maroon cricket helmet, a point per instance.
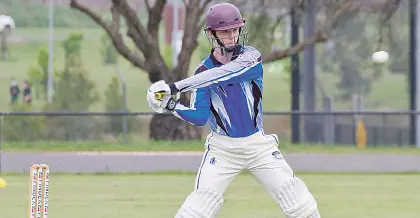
(224, 16)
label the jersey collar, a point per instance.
(238, 50)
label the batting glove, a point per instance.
(166, 102)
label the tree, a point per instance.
(74, 91)
(108, 52)
(38, 74)
(349, 55)
(348, 52)
(115, 103)
(146, 40)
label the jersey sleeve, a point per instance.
(247, 66)
(199, 110)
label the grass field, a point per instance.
(160, 195)
(28, 41)
(197, 146)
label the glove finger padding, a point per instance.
(157, 105)
(160, 86)
(166, 102)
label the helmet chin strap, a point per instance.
(230, 48)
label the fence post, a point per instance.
(359, 131)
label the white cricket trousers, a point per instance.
(226, 157)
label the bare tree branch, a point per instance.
(334, 10)
(205, 4)
(277, 23)
(344, 7)
(201, 11)
(319, 36)
(145, 41)
(116, 21)
(155, 16)
(113, 32)
(147, 3)
(389, 8)
(136, 31)
(194, 10)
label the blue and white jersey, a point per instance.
(228, 96)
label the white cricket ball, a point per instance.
(380, 56)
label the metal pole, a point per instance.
(124, 95)
(287, 28)
(417, 67)
(295, 86)
(3, 36)
(309, 78)
(1, 141)
(50, 52)
(413, 72)
(175, 33)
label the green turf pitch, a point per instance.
(159, 195)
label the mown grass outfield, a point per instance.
(159, 196)
(193, 146)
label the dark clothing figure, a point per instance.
(14, 92)
(27, 97)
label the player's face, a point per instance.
(228, 37)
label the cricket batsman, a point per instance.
(227, 90)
